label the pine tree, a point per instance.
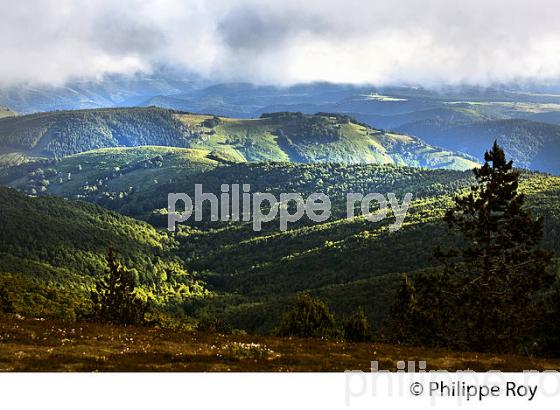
(499, 268)
(114, 299)
(403, 311)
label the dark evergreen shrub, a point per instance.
(308, 317)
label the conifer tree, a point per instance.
(487, 297)
(356, 326)
(500, 268)
(403, 312)
(308, 317)
(114, 299)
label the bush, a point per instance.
(356, 327)
(6, 304)
(211, 122)
(213, 325)
(308, 317)
(156, 317)
(247, 351)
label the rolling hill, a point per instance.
(136, 180)
(252, 276)
(109, 175)
(6, 112)
(533, 145)
(63, 133)
(296, 137)
(349, 263)
(433, 115)
(51, 249)
(272, 137)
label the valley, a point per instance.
(226, 269)
(77, 183)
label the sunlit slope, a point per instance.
(109, 172)
(50, 238)
(6, 112)
(276, 137)
(348, 263)
(315, 138)
(253, 275)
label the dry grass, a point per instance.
(44, 345)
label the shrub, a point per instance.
(308, 317)
(6, 304)
(247, 351)
(211, 122)
(213, 325)
(356, 327)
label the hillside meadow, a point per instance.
(28, 344)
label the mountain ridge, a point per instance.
(295, 137)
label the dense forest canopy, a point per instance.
(252, 276)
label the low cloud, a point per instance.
(433, 42)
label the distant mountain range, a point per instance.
(111, 91)
(532, 145)
(464, 119)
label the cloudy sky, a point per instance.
(427, 42)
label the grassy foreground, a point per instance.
(43, 345)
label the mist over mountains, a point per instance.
(432, 43)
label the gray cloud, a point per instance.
(248, 28)
(116, 35)
(426, 42)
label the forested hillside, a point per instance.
(51, 250)
(109, 174)
(129, 160)
(533, 145)
(354, 262)
(254, 275)
(58, 134)
(274, 137)
(136, 181)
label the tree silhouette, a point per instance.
(114, 299)
(486, 298)
(356, 326)
(403, 311)
(502, 265)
